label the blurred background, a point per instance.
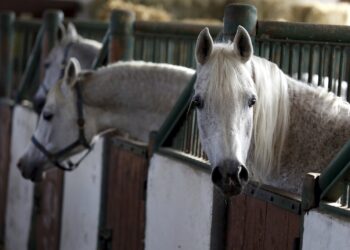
(196, 11)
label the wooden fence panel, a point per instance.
(47, 212)
(5, 132)
(256, 224)
(125, 208)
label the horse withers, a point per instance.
(257, 123)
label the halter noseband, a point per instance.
(81, 141)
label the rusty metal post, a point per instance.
(239, 14)
(121, 43)
(7, 20)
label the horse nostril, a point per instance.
(216, 175)
(243, 173)
(19, 164)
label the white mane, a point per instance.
(271, 116)
(271, 112)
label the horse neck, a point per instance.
(318, 128)
(133, 99)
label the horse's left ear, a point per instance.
(242, 44)
(72, 70)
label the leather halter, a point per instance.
(54, 158)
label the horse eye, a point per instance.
(47, 116)
(252, 101)
(47, 65)
(197, 102)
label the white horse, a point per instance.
(131, 97)
(70, 45)
(257, 123)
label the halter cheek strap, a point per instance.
(54, 158)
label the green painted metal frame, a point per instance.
(7, 20)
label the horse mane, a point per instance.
(271, 112)
(271, 117)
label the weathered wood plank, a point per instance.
(255, 223)
(276, 230)
(47, 209)
(294, 221)
(125, 208)
(236, 223)
(5, 141)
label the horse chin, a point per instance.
(36, 175)
(230, 190)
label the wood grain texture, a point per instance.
(125, 199)
(255, 224)
(47, 211)
(5, 133)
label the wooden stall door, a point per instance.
(255, 224)
(125, 208)
(46, 221)
(5, 140)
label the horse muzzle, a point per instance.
(30, 171)
(230, 176)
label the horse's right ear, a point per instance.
(204, 46)
(71, 71)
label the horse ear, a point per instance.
(242, 44)
(61, 33)
(204, 46)
(72, 32)
(72, 70)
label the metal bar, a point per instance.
(340, 76)
(121, 35)
(331, 69)
(337, 166)
(173, 29)
(7, 20)
(320, 66)
(290, 61)
(300, 61)
(30, 67)
(311, 64)
(102, 56)
(178, 110)
(303, 31)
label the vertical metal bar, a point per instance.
(300, 61)
(340, 74)
(281, 63)
(290, 61)
(330, 69)
(6, 52)
(102, 56)
(311, 64)
(320, 66)
(121, 37)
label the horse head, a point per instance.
(63, 129)
(224, 96)
(70, 44)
